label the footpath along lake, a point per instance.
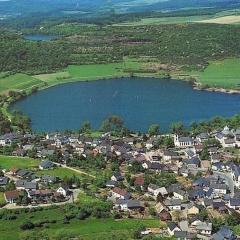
(139, 101)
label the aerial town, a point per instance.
(187, 182)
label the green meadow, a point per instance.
(18, 82)
(90, 72)
(90, 229)
(165, 20)
(96, 71)
(2, 199)
(224, 74)
(7, 162)
(60, 172)
(72, 73)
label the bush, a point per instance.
(27, 225)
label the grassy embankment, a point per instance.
(19, 82)
(165, 20)
(222, 17)
(2, 199)
(219, 74)
(86, 229)
(61, 173)
(90, 72)
(7, 162)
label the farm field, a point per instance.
(18, 81)
(96, 71)
(223, 20)
(86, 229)
(221, 74)
(7, 162)
(90, 72)
(52, 78)
(72, 73)
(60, 172)
(2, 199)
(165, 20)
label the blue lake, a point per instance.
(139, 101)
(39, 37)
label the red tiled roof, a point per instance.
(14, 170)
(119, 191)
(139, 181)
(12, 194)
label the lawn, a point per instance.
(96, 71)
(54, 78)
(75, 73)
(60, 172)
(7, 162)
(2, 199)
(86, 229)
(94, 134)
(18, 82)
(83, 198)
(104, 228)
(222, 74)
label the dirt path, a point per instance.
(75, 170)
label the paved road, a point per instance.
(228, 178)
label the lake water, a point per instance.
(39, 37)
(139, 101)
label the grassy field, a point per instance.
(86, 229)
(72, 73)
(75, 73)
(54, 78)
(7, 162)
(221, 74)
(223, 20)
(60, 172)
(83, 198)
(90, 72)
(165, 20)
(96, 71)
(2, 199)
(18, 81)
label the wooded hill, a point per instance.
(190, 46)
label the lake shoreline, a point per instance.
(167, 97)
(196, 85)
(200, 87)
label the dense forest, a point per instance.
(36, 20)
(185, 45)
